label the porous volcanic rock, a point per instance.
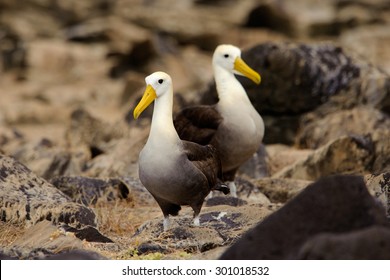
(26, 198)
(336, 204)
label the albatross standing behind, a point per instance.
(232, 126)
(175, 172)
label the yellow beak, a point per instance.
(244, 69)
(147, 98)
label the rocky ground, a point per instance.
(71, 73)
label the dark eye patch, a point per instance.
(160, 81)
(226, 55)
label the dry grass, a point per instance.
(9, 232)
(119, 221)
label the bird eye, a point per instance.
(226, 55)
(160, 81)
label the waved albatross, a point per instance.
(232, 126)
(175, 172)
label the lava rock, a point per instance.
(87, 233)
(318, 128)
(87, 191)
(371, 243)
(336, 204)
(379, 187)
(346, 155)
(27, 198)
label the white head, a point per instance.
(157, 84)
(161, 82)
(228, 57)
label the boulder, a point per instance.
(280, 190)
(374, 37)
(371, 243)
(94, 134)
(318, 128)
(46, 241)
(26, 198)
(336, 204)
(89, 191)
(49, 160)
(379, 187)
(346, 155)
(322, 126)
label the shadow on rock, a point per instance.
(334, 205)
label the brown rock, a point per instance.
(318, 129)
(346, 155)
(371, 243)
(374, 38)
(336, 204)
(379, 187)
(280, 190)
(28, 199)
(89, 191)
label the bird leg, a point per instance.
(196, 221)
(166, 223)
(233, 188)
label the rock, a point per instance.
(248, 191)
(55, 60)
(146, 248)
(93, 134)
(225, 200)
(280, 129)
(381, 139)
(280, 190)
(314, 74)
(317, 129)
(188, 23)
(220, 225)
(336, 204)
(371, 243)
(269, 15)
(46, 241)
(374, 36)
(346, 155)
(87, 233)
(76, 255)
(28, 199)
(47, 160)
(379, 187)
(89, 191)
(13, 52)
(139, 193)
(305, 18)
(281, 156)
(257, 165)
(30, 111)
(9, 138)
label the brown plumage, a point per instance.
(175, 172)
(233, 125)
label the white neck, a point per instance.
(162, 130)
(228, 87)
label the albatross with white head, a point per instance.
(232, 126)
(174, 171)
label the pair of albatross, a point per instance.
(185, 159)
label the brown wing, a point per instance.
(197, 124)
(206, 159)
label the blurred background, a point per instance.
(58, 55)
(71, 72)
